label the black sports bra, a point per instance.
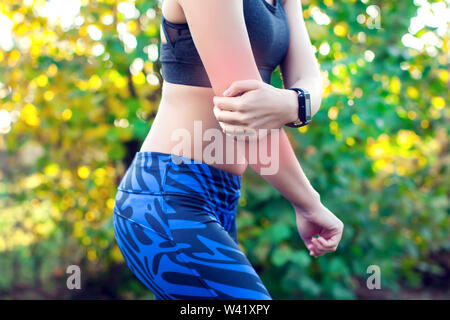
(268, 31)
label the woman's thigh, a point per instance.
(197, 261)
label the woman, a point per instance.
(175, 210)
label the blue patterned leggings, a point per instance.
(175, 224)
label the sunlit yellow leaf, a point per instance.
(13, 57)
(303, 129)
(42, 80)
(52, 70)
(48, 95)
(412, 92)
(406, 138)
(443, 75)
(86, 241)
(395, 85)
(92, 254)
(355, 118)
(66, 114)
(83, 172)
(333, 113)
(412, 115)
(341, 29)
(110, 203)
(95, 82)
(350, 141)
(139, 78)
(29, 115)
(438, 102)
(52, 170)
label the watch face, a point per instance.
(308, 105)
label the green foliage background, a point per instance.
(75, 107)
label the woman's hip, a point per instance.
(166, 192)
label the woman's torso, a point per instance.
(187, 111)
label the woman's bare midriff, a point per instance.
(185, 125)
(182, 110)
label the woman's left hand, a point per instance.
(253, 104)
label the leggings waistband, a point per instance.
(166, 174)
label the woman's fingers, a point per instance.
(251, 121)
(329, 244)
(334, 241)
(311, 250)
(228, 103)
(230, 117)
(320, 246)
(241, 86)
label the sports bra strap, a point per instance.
(177, 26)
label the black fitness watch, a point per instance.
(304, 108)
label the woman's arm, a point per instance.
(260, 105)
(220, 35)
(300, 67)
(289, 178)
(277, 106)
(313, 218)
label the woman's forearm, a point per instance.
(289, 178)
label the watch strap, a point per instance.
(302, 116)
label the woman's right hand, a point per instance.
(252, 105)
(319, 222)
